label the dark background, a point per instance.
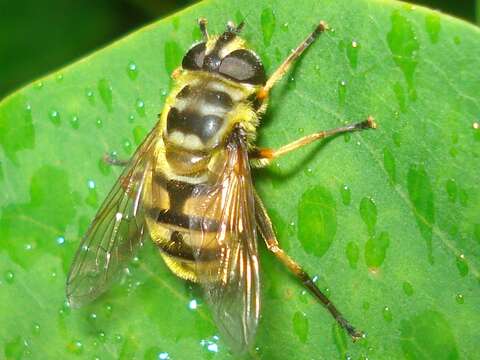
(31, 44)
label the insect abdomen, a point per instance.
(172, 219)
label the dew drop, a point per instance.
(59, 77)
(352, 54)
(90, 96)
(60, 240)
(387, 314)
(462, 265)
(36, 328)
(210, 345)
(108, 309)
(315, 219)
(75, 347)
(135, 261)
(118, 338)
(9, 277)
(65, 309)
(74, 122)
(101, 336)
(131, 118)
(39, 85)
(404, 46)
(17, 348)
(300, 326)
(132, 70)
(127, 146)
(304, 296)
(140, 107)
(105, 90)
(407, 288)
(376, 250)
(342, 92)
(452, 190)
(285, 26)
(433, 26)
(163, 356)
(92, 197)
(99, 123)
(476, 125)
(192, 305)
(91, 184)
(292, 83)
(54, 116)
(368, 212)
(308, 171)
(420, 192)
(459, 299)
(346, 194)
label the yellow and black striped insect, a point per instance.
(189, 188)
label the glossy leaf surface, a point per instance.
(387, 220)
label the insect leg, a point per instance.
(111, 159)
(264, 226)
(265, 155)
(202, 24)
(285, 66)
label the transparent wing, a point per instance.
(227, 260)
(116, 231)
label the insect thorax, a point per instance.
(200, 115)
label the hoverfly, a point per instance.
(189, 187)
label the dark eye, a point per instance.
(193, 60)
(244, 66)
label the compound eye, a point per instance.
(193, 60)
(243, 66)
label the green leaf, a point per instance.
(387, 220)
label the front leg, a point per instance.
(263, 156)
